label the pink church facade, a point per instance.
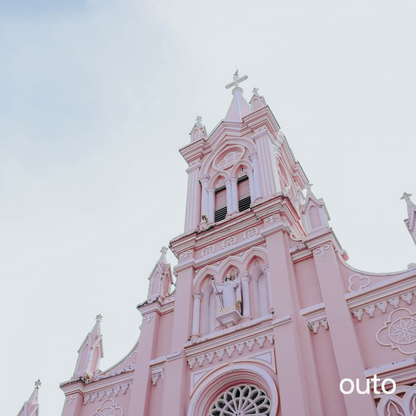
(266, 316)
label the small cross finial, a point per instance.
(236, 80)
(199, 121)
(164, 250)
(99, 318)
(256, 91)
(308, 185)
(38, 384)
(406, 196)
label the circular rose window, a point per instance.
(241, 401)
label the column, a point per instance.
(245, 280)
(266, 271)
(141, 389)
(197, 296)
(256, 181)
(176, 366)
(193, 203)
(292, 385)
(234, 194)
(211, 204)
(252, 186)
(229, 197)
(343, 336)
(205, 204)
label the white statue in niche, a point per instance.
(230, 300)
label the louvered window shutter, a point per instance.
(244, 199)
(220, 204)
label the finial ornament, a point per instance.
(236, 80)
(199, 120)
(99, 318)
(256, 92)
(406, 196)
(164, 250)
(38, 384)
(308, 186)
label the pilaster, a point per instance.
(193, 204)
(176, 380)
(141, 389)
(292, 388)
(344, 340)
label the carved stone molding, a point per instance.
(314, 325)
(108, 392)
(207, 251)
(147, 317)
(252, 232)
(272, 219)
(197, 295)
(186, 254)
(109, 408)
(322, 250)
(382, 305)
(71, 399)
(156, 374)
(230, 241)
(230, 350)
(357, 282)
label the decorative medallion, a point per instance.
(252, 232)
(230, 241)
(207, 251)
(399, 332)
(357, 282)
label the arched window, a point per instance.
(220, 204)
(241, 400)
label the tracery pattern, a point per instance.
(241, 401)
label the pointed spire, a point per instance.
(162, 258)
(257, 100)
(239, 106)
(31, 407)
(160, 279)
(90, 352)
(198, 130)
(309, 192)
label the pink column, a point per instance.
(205, 202)
(197, 296)
(141, 389)
(229, 196)
(211, 203)
(266, 270)
(193, 203)
(234, 195)
(257, 190)
(176, 382)
(292, 386)
(346, 347)
(245, 280)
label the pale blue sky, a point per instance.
(96, 98)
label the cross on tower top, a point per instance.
(406, 196)
(236, 80)
(37, 383)
(99, 318)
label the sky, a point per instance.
(96, 98)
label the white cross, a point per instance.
(236, 80)
(99, 318)
(37, 384)
(406, 196)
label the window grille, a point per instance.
(244, 198)
(220, 204)
(243, 400)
